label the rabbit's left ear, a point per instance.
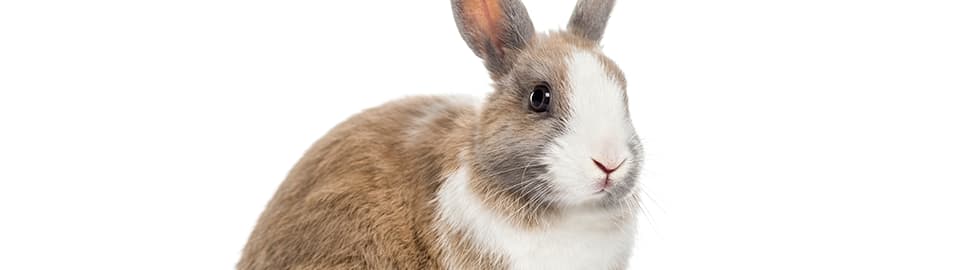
(589, 18)
(496, 30)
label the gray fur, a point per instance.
(589, 18)
(511, 153)
(499, 51)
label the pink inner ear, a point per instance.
(485, 16)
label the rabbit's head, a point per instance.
(556, 130)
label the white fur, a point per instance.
(581, 239)
(598, 128)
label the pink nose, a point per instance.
(607, 168)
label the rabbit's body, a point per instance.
(540, 175)
(331, 212)
(370, 208)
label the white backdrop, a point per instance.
(817, 134)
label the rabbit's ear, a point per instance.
(589, 18)
(496, 30)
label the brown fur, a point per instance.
(359, 198)
(362, 197)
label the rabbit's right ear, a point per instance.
(496, 30)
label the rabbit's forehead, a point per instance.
(552, 51)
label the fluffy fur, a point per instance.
(456, 183)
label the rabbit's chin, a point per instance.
(610, 198)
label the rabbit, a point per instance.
(541, 174)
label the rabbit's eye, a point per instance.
(540, 97)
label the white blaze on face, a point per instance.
(597, 127)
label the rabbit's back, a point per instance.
(361, 197)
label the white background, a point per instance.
(816, 134)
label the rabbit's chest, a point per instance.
(567, 245)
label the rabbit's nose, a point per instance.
(607, 167)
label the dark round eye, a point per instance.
(540, 98)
